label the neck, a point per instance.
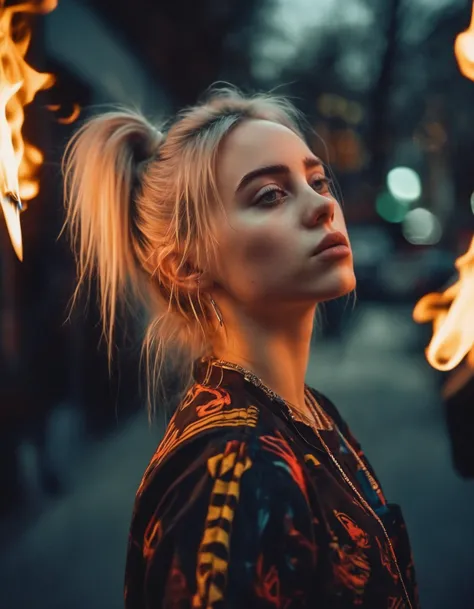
(274, 346)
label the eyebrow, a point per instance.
(308, 162)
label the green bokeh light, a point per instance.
(390, 209)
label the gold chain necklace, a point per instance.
(255, 380)
(319, 414)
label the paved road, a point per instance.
(71, 556)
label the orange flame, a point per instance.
(19, 84)
(452, 314)
(464, 50)
(67, 120)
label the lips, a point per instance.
(330, 240)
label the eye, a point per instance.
(321, 184)
(270, 196)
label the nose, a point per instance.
(320, 210)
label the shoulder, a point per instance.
(206, 420)
(205, 412)
(215, 422)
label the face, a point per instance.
(278, 209)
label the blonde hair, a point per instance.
(141, 206)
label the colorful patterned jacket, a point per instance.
(241, 508)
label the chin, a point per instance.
(336, 286)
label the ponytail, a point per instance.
(102, 168)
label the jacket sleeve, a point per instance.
(234, 531)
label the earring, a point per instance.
(213, 304)
(216, 311)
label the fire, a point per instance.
(464, 50)
(452, 314)
(19, 84)
(67, 120)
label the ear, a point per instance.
(184, 274)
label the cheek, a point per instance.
(261, 263)
(254, 258)
(264, 247)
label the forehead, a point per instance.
(258, 143)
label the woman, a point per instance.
(226, 230)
